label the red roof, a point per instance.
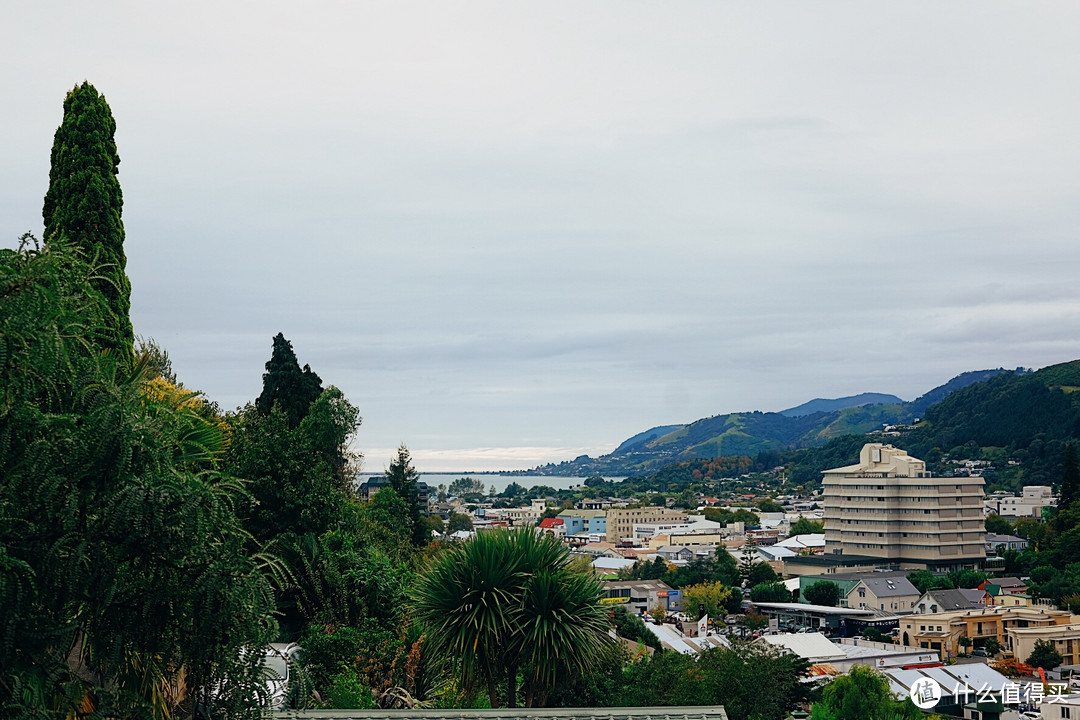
(548, 523)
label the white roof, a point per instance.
(812, 646)
(816, 609)
(609, 563)
(672, 639)
(791, 585)
(808, 540)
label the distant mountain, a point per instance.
(809, 425)
(824, 405)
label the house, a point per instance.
(1005, 585)
(895, 595)
(935, 601)
(553, 526)
(676, 553)
(1009, 542)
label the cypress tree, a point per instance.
(83, 205)
(287, 385)
(403, 477)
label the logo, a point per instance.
(925, 693)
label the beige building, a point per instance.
(621, 521)
(1065, 639)
(941, 632)
(889, 507)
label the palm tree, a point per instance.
(509, 600)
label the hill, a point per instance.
(827, 405)
(754, 433)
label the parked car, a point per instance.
(276, 664)
(979, 652)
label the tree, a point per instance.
(770, 592)
(286, 385)
(114, 518)
(769, 505)
(992, 646)
(996, 524)
(862, 694)
(508, 601)
(805, 526)
(1044, 655)
(403, 477)
(924, 580)
(84, 205)
(706, 599)
(1070, 478)
(761, 573)
(823, 592)
(748, 559)
(458, 522)
(965, 642)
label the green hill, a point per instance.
(996, 408)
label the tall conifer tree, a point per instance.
(84, 204)
(1070, 479)
(287, 385)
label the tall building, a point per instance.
(889, 507)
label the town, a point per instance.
(886, 566)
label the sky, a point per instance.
(513, 233)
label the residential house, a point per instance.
(894, 595)
(553, 526)
(935, 601)
(1010, 542)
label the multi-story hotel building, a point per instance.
(889, 507)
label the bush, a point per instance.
(348, 693)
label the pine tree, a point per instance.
(403, 476)
(83, 205)
(287, 385)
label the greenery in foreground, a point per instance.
(151, 545)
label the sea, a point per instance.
(499, 482)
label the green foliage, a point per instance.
(1070, 478)
(924, 580)
(769, 505)
(113, 519)
(403, 477)
(348, 693)
(726, 517)
(996, 524)
(507, 600)
(806, 526)
(823, 592)
(1044, 655)
(632, 627)
(286, 385)
(770, 592)
(296, 476)
(719, 676)
(84, 204)
(459, 521)
(862, 694)
(708, 598)
(967, 578)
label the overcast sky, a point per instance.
(515, 232)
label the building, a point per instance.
(935, 601)
(889, 507)
(370, 488)
(1008, 542)
(584, 521)
(1029, 503)
(848, 581)
(553, 526)
(941, 632)
(894, 595)
(621, 521)
(641, 595)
